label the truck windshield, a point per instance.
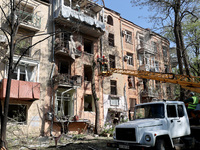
(149, 111)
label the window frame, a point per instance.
(112, 61)
(130, 60)
(128, 37)
(170, 113)
(113, 87)
(110, 20)
(114, 99)
(26, 113)
(111, 39)
(131, 80)
(92, 103)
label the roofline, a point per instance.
(136, 24)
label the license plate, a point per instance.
(124, 146)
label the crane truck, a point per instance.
(159, 124)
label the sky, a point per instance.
(127, 11)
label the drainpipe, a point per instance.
(52, 72)
(122, 44)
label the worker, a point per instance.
(192, 103)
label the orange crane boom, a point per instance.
(188, 82)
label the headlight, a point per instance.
(148, 138)
(114, 135)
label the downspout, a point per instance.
(122, 44)
(52, 72)
(125, 97)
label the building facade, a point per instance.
(52, 83)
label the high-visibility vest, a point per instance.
(194, 104)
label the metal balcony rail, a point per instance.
(29, 18)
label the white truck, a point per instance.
(160, 125)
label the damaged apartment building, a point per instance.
(51, 85)
(129, 46)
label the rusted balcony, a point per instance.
(21, 90)
(67, 80)
(64, 47)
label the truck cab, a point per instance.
(156, 124)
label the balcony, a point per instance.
(66, 48)
(67, 80)
(29, 20)
(70, 17)
(149, 93)
(145, 48)
(21, 90)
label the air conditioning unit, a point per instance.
(2, 38)
(124, 32)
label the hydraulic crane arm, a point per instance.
(188, 82)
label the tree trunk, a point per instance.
(10, 71)
(96, 103)
(178, 38)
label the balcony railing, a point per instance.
(65, 47)
(87, 24)
(66, 79)
(142, 47)
(149, 93)
(29, 19)
(21, 90)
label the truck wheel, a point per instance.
(160, 144)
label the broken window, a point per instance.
(87, 73)
(88, 103)
(132, 102)
(130, 59)
(114, 101)
(62, 40)
(88, 46)
(110, 20)
(113, 87)
(24, 72)
(63, 103)
(64, 68)
(112, 61)
(17, 113)
(111, 40)
(131, 81)
(128, 36)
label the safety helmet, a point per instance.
(192, 93)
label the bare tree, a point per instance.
(10, 27)
(171, 14)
